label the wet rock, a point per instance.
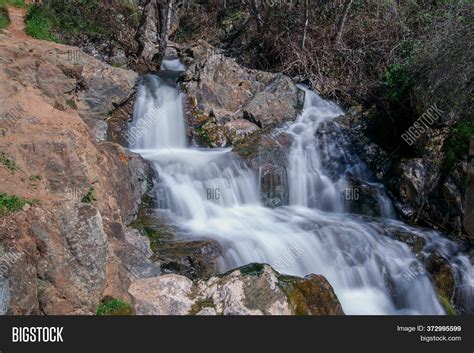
(415, 242)
(238, 130)
(136, 179)
(250, 290)
(417, 178)
(453, 191)
(361, 198)
(311, 295)
(193, 259)
(442, 275)
(266, 153)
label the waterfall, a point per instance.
(212, 194)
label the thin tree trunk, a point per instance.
(306, 22)
(166, 24)
(256, 13)
(342, 21)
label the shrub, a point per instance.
(90, 196)
(397, 81)
(7, 162)
(114, 307)
(38, 23)
(10, 204)
(4, 18)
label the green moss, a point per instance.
(114, 307)
(203, 135)
(448, 307)
(13, 203)
(201, 304)
(150, 226)
(254, 269)
(90, 196)
(7, 162)
(71, 104)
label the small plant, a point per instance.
(397, 81)
(90, 196)
(10, 204)
(7, 162)
(35, 177)
(71, 104)
(114, 307)
(201, 304)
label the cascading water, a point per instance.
(212, 194)
(317, 169)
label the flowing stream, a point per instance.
(212, 194)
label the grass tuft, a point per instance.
(114, 307)
(12, 203)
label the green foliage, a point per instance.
(10, 204)
(7, 162)
(71, 104)
(90, 196)
(35, 177)
(68, 17)
(397, 81)
(458, 143)
(114, 307)
(38, 23)
(15, 3)
(4, 18)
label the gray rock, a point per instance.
(222, 91)
(250, 290)
(266, 153)
(417, 178)
(72, 269)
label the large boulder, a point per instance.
(61, 259)
(416, 179)
(221, 91)
(254, 289)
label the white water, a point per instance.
(210, 193)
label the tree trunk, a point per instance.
(342, 21)
(306, 22)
